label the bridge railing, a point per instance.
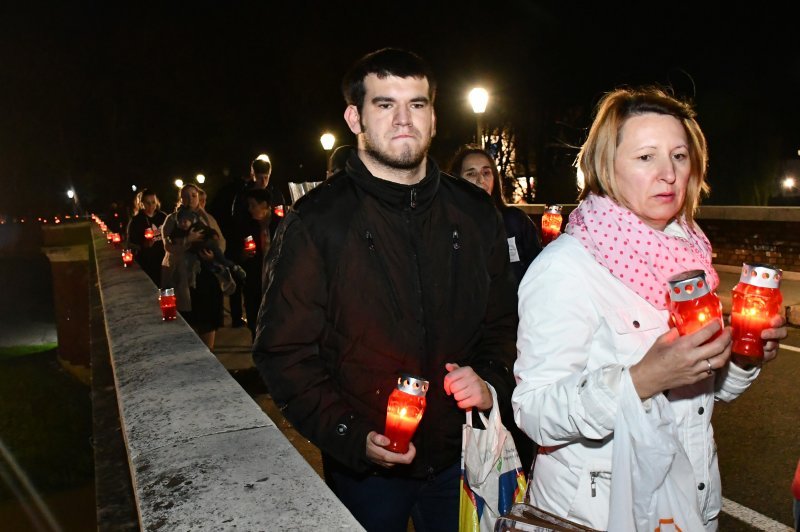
(202, 454)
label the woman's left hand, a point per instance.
(773, 336)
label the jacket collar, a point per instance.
(416, 196)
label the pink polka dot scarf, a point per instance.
(641, 257)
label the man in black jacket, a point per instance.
(389, 267)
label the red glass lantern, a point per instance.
(278, 211)
(166, 299)
(127, 257)
(116, 238)
(404, 412)
(692, 303)
(249, 245)
(109, 236)
(149, 234)
(103, 227)
(756, 299)
(551, 224)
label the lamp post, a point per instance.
(200, 178)
(327, 140)
(478, 99)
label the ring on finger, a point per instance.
(710, 369)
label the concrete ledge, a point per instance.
(202, 454)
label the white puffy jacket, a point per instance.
(579, 326)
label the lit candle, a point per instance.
(149, 234)
(249, 245)
(551, 224)
(167, 302)
(278, 211)
(404, 411)
(756, 299)
(692, 303)
(127, 257)
(109, 236)
(116, 238)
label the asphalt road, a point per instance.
(758, 440)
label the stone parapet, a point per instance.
(202, 454)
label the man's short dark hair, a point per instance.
(261, 166)
(383, 63)
(261, 195)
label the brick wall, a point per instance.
(769, 242)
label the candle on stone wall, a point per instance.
(404, 411)
(127, 257)
(756, 300)
(692, 303)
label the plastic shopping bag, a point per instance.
(492, 479)
(652, 482)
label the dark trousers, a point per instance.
(384, 504)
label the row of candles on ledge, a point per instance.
(756, 300)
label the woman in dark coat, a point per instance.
(476, 166)
(144, 234)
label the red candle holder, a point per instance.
(692, 303)
(278, 211)
(249, 245)
(551, 224)
(116, 238)
(127, 257)
(149, 234)
(404, 412)
(109, 236)
(166, 299)
(756, 299)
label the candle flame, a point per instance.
(701, 316)
(403, 411)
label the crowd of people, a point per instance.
(393, 266)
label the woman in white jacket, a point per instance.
(593, 311)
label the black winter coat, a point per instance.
(367, 279)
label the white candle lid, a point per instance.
(763, 275)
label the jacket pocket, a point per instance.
(634, 330)
(590, 504)
(380, 265)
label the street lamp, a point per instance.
(71, 193)
(179, 182)
(327, 140)
(478, 99)
(789, 183)
(200, 178)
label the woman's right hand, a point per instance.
(675, 360)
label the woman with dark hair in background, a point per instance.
(476, 166)
(259, 207)
(144, 233)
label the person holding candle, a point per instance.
(594, 314)
(476, 166)
(144, 234)
(259, 207)
(201, 305)
(390, 267)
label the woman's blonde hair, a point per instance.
(596, 157)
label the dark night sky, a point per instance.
(102, 97)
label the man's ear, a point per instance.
(433, 124)
(353, 119)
